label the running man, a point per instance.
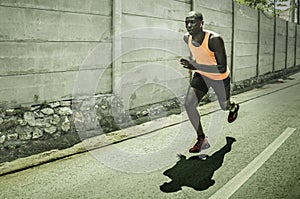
(209, 63)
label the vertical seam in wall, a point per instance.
(274, 44)
(112, 44)
(286, 43)
(258, 43)
(295, 46)
(117, 42)
(298, 12)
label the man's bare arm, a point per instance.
(216, 45)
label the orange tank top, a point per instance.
(204, 55)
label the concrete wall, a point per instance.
(43, 44)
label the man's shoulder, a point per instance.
(213, 34)
(215, 41)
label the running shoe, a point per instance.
(200, 144)
(233, 115)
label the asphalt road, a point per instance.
(147, 166)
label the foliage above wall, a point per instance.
(275, 7)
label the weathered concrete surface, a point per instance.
(291, 41)
(43, 46)
(280, 47)
(102, 7)
(265, 113)
(266, 49)
(298, 44)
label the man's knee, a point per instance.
(189, 103)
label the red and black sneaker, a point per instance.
(200, 144)
(233, 115)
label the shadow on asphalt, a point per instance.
(195, 172)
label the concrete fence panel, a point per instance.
(280, 44)
(298, 46)
(43, 45)
(152, 35)
(245, 42)
(291, 41)
(266, 44)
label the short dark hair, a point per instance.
(197, 15)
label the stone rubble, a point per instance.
(2, 138)
(50, 130)
(66, 125)
(29, 118)
(37, 133)
(47, 111)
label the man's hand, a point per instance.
(192, 65)
(186, 64)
